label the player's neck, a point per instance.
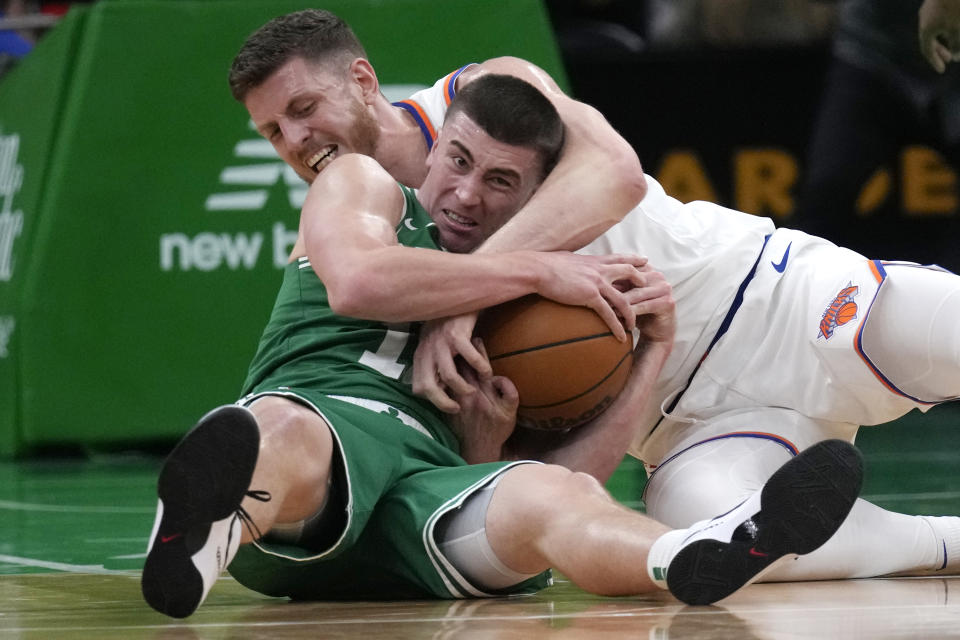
(401, 149)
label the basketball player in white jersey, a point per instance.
(783, 340)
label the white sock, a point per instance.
(661, 554)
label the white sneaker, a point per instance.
(198, 525)
(799, 508)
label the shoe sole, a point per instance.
(203, 480)
(801, 507)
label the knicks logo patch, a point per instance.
(841, 311)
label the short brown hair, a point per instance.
(513, 111)
(312, 34)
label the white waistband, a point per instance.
(382, 407)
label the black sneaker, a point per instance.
(799, 508)
(197, 529)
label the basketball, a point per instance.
(564, 361)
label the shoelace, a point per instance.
(261, 496)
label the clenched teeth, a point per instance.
(322, 158)
(458, 219)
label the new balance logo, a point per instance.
(250, 184)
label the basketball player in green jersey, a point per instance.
(352, 488)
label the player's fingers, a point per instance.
(624, 277)
(615, 310)
(662, 304)
(940, 57)
(651, 291)
(475, 355)
(440, 399)
(448, 375)
(606, 313)
(428, 382)
(507, 392)
(624, 258)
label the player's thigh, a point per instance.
(710, 478)
(912, 335)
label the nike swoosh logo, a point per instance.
(754, 552)
(783, 263)
(166, 539)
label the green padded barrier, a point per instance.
(154, 219)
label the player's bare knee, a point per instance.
(288, 422)
(545, 491)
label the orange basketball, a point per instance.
(564, 360)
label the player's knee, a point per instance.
(284, 420)
(584, 486)
(545, 489)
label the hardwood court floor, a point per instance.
(73, 533)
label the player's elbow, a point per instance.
(634, 184)
(354, 294)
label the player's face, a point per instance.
(475, 184)
(311, 114)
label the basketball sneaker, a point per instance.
(798, 509)
(199, 518)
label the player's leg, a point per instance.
(544, 516)
(871, 542)
(296, 452)
(912, 336)
(237, 467)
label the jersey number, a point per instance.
(386, 360)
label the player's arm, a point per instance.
(348, 232)
(596, 182)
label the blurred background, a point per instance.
(144, 223)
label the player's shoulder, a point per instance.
(504, 65)
(342, 176)
(355, 166)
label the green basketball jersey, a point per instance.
(306, 345)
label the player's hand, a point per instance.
(939, 32)
(596, 282)
(435, 373)
(654, 307)
(487, 417)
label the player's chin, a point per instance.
(458, 242)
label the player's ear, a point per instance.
(361, 71)
(433, 149)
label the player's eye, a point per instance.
(304, 110)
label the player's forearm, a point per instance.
(598, 447)
(401, 284)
